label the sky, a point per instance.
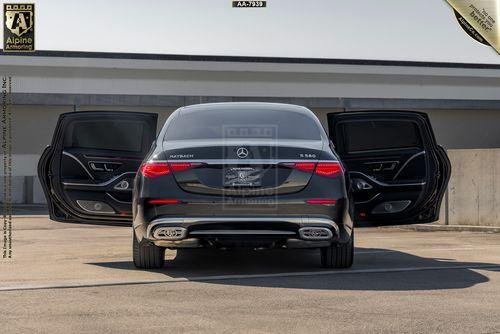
(417, 30)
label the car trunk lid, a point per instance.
(242, 167)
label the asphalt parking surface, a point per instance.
(79, 278)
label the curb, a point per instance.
(450, 228)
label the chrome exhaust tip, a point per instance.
(315, 233)
(169, 233)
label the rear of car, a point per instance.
(256, 175)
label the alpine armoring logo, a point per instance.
(19, 27)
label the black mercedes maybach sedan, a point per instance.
(257, 175)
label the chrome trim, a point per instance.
(79, 162)
(183, 222)
(383, 184)
(184, 243)
(406, 163)
(242, 232)
(384, 150)
(162, 233)
(243, 161)
(102, 184)
(305, 233)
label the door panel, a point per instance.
(397, 172)
(87, 173)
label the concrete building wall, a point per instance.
(474, 189)
(466, 129)
(462, 101)
(60, 75)
(473, 197)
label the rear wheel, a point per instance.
(338, 255)
(147, 256)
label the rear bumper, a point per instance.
(273, 231)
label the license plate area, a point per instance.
(243, 176)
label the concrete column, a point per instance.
(474, 188)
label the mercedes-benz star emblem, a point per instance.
(242, 153)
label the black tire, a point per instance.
(338, 255)
(147, 256)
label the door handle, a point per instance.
(108, 168)
(381, 165)
(97, 166)
(389, 165)
(375, 167)
(103, 166)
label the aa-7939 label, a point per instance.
(249, 4)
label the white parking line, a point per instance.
(425, 249)
(233, 277)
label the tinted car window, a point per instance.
(378, 135)
(106, 135)
(251, 123)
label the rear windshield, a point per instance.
(113, 135)
(251, 123)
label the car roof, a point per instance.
(235, 106)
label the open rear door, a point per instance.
(88, 170)
(398, 173)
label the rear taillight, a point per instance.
(164, 201)
(321, 201)
(182, 166)
(326, 169)
(329, 169)
(302, 166)
(153, 169)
